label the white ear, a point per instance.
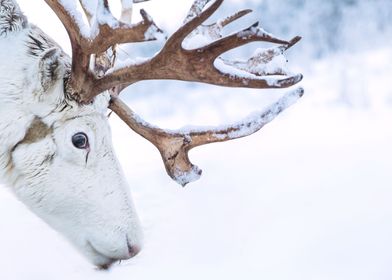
(48, 88)
(51, 68)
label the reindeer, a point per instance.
(56, 151)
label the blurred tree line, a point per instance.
(328, 26)
(341, 33)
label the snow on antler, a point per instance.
(175, 145)
(205, 34)
(195, 10)
(264, 62)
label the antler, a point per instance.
(201, 64)
(175, 145)
(192, 53)
(105, 31)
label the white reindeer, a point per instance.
(56, 152)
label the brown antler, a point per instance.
(181, 58)
(201, 64)
(105, 32)
(175, 145)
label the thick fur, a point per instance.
(80, 192)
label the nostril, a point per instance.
(133, 250)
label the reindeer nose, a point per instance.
(133, 250)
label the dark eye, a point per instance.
(80, 140)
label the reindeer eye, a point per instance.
(80, 140)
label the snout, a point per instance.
(133, 250)
(104, 258)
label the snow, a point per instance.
(184, 178)
(153, 33)
(247, 72)
(254, 30)
(89, 6)
(121, 64)
(195, 41)
(103, 16)
(258, 119)
(308, 197)
(71, 8)
(126, 4)
(248, 125)
(232, 71)
(267, 61)
(196, 10)
(126, 11)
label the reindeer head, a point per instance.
(57, 153)
(61, 162)
(67, 173)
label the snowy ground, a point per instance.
(306, 198)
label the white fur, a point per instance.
(82, 193)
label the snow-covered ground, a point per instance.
(307, 198)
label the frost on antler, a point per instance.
(193, 53)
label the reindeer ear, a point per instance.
(51, 68)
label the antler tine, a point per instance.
(263, 57)
(195, 10)
(246, 36)
(175, 145)
(194, 19)
(234, 17)
(72, 21)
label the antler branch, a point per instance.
(202, 64)
(105, 32)
(175, 145)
